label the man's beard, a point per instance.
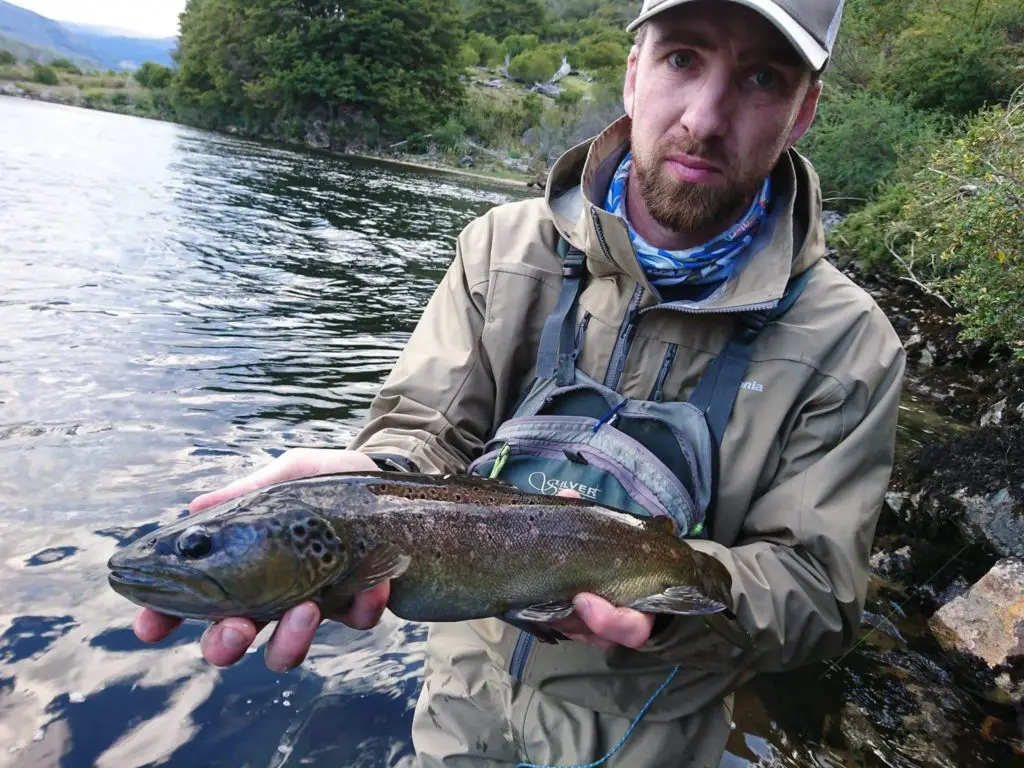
(683, 206)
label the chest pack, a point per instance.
(644, 456)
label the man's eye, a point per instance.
(680, 60)
(764, 78)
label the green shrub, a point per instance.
(44, 74)
(488, 49)
(952, 68)
(569, 97)
(120, 99)
(956, 225)
(6, 57)
(94, 97)
(600, 55)
(536, 66)
(857, 140)
(66, 65)
(153, 75)
(517, 44)
(468, 55)
(451, 135)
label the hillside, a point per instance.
(30, 35)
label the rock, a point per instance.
(546, 89)
(914, 341)
(994, 415)
(467, 162)
(901, 323)
(831, 219)
(495, 83)
(889, 564)
(316, 136)
(927, 359)
(10, 89)
(997, 519)
(896, 500)
(516, 165)
(988, 623)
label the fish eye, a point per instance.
(195, 542)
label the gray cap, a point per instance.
(810, 25)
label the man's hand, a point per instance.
(225, 642)
(598, 622)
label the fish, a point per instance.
(454, 548)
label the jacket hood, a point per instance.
(791, 241)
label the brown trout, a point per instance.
(454, 548)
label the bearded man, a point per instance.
(690, 215)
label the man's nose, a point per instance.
(707, 109)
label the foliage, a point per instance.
(489, 51)
(44, 74)
(261, 64)
(6, 57)
(599, 54)
(536, 66)
(153, 75)
(516, 44)
(468, 55)
(65, 65)
(501, 18)
(858, 139)
(955, 225)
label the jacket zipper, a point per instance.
(524, 643)
(622, 344)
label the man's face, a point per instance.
(716, 94)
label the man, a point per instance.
(716, 94)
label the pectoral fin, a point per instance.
(682, 601)
(534, 619)
(384, 563)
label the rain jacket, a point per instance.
(804, 465)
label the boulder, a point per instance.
(994, 415)
(987, 623)
(316, 136)
(997, 520)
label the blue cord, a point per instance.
(625, 737)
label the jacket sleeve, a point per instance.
(800, 566)
(431, 413)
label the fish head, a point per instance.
(234, 560)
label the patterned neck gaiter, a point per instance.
(712, 262)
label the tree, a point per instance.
(153, 75)
(501, 18)
(6, 57)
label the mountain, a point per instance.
(42, 38)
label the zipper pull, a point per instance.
(499, 463)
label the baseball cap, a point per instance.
(810, 25)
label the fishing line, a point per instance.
(625, 737)
(833, 665)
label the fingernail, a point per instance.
(302, 617)
(232, 639)
(581, 603)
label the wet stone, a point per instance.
(988, 623)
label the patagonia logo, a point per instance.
(550, 486)
(752, 386)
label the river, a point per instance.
(177, 307)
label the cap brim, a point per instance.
(810, 49)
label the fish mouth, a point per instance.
(164, 588)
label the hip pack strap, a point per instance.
(558, 340)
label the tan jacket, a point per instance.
(804, 464)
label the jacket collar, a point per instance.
(579, 180)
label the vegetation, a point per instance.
(7, 58)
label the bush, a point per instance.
(536, 66)
(517, 44)
(952, 68)
(857, 141)
(44, 74)
(600, 55)
(120, 99)
(6, 57)
(94, 97)
(956, 225)
(153, 75)
(66, 65)
(468, 55)
(451, 135)
(488, 49)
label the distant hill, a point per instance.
(42, 38)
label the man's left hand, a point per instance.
(598, 622)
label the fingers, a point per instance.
(292, 638)
(622, 626)
(152, 627)
(226, 642)
(368, 607)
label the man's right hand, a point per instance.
(225, 642)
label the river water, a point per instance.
(176, 308)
